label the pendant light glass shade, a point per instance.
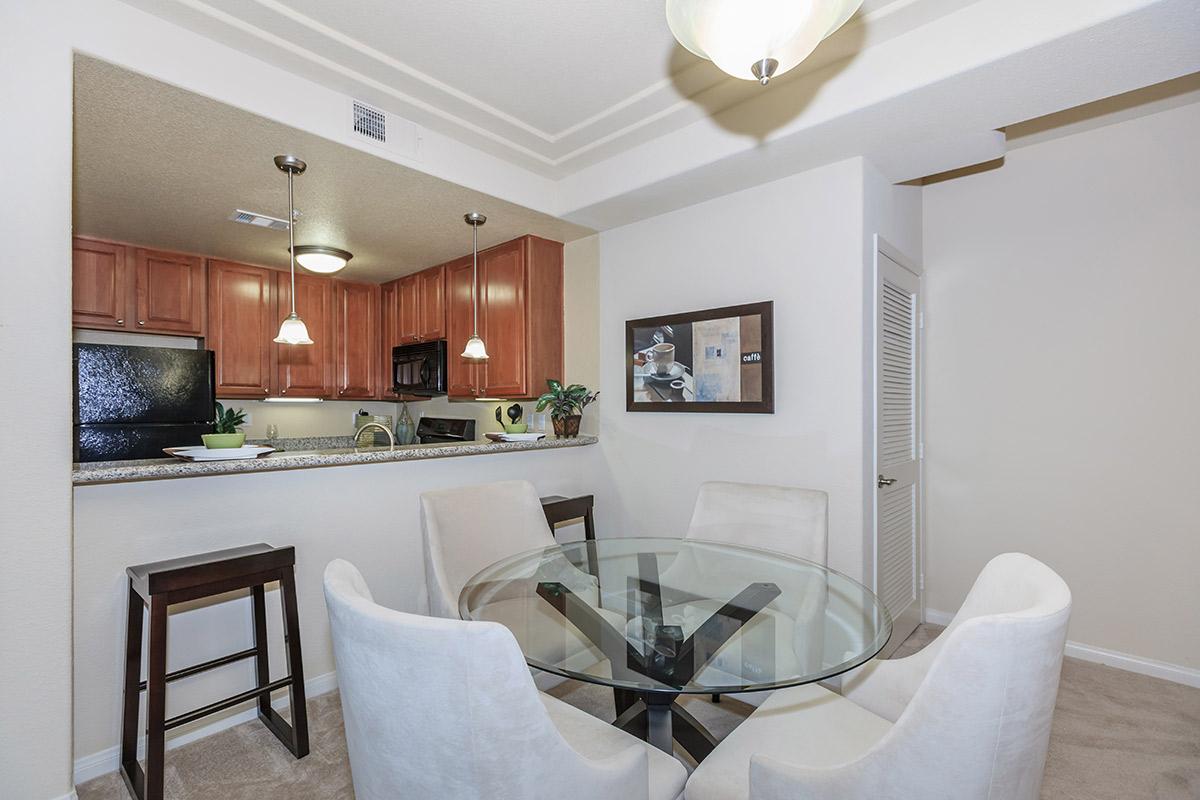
(293, 331)
(475, 349)
(756, 39)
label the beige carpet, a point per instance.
(1116, 736)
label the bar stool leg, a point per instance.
(156, 699)
(295, 665)
(262, 665)
(130, 769)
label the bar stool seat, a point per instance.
(163, 583)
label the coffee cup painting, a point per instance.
(718, 360)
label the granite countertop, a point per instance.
(164, 468)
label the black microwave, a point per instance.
(419, 368)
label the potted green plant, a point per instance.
(566, 406)
(226, 429)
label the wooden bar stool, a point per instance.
(163, 583)
(560, 509)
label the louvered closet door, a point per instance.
(897, 440)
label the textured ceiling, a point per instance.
(160, 166)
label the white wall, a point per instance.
(35, 445)
(799, 242)
(1063, 381)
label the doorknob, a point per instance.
(882, 481)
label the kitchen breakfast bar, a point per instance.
(360, 505)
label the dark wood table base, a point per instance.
(657, 718)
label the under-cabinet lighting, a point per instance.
(293, 399)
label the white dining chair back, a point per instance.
(468, 528)
(780, 518)
(439, 708)
(971, 711)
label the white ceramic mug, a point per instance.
(662, 355)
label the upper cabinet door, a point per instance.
(409, 320)
(100, 283)
(170, 292)
(306, 370)
(389, 315)
(356, 317)
(241, 324)
(431, 293)
(503, 319)
(462, 374)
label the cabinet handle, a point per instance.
(265, 391)
(141, 322)
(121, 322)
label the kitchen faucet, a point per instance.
(384, 428)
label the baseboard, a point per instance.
(106, 761)
(1188, 676)
(68, 796)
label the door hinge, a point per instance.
(921, 451)
(921, 582)
(921, 320)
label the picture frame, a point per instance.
(719, 360)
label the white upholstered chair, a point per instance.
(784, 519)
(438, 708)
(781, 518)
(471, 527)
(966, 718)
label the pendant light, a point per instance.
(475, 348)
(292, 330)
(756, 39)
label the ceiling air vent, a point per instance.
(370, 122)
(261, 220)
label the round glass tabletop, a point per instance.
(679, 615)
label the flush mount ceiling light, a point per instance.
(292, 330)
(322, 259)
(475, 348)
(756, 39)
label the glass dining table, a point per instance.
(658, 618)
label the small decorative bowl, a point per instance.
(220, 441)
(516, 427)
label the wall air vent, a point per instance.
(260, 220)
(370, 122)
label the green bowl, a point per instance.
(516, 427)
(221, 441)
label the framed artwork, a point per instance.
(719, 360)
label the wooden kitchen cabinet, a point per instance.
(169, 292)
(462, 374)
(389, 321)
(126, 288)
(408, 298)
(520, 320)
(356, 339)
(241, 324)
(100, 285)
(431, 304)
(305, 370)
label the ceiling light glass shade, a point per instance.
(740, 35)
(322, 259)
(293, 331)
(475, 349)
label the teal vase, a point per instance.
(406, 429)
